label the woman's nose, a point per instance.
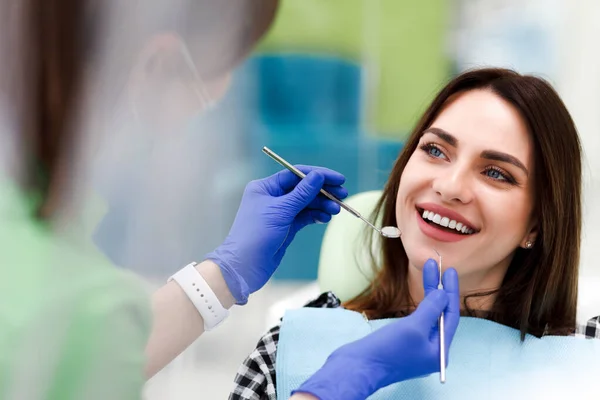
(454, 184)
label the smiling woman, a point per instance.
(491, 179)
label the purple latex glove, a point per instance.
(405, 349)
(272, 211)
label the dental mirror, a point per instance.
(390, 232)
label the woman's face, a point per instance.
(472, 171)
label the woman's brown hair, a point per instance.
(539, 292)
(59, 45)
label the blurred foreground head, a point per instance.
(164, 59)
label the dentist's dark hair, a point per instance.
(539, 292)
(54, 42)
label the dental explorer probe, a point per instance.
(387, 231)
(441, 325)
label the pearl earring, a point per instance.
(528, 244)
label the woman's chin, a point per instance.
(419, 261)
(420, 254)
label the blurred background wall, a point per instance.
(340, 83)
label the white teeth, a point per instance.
(446, 222)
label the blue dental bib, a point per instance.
(487, 360)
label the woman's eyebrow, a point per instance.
(444, 135)
(487, 154)
(503, 157)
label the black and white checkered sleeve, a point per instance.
(256, 378)
(590, 330)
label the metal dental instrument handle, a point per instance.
(331, 197)
(442, 331)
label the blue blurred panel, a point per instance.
(308, 90)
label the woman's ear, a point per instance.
(529, 240)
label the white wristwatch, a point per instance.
(201, 295)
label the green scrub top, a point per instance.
(72, 326)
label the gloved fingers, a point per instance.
(338, 191)
(305, 192)
(324, 204)
(306, 217)
(430, 309)
(452, 312)
(285, 181)
(332, 177)
(309, 216)
(431, 276)
(279, 183)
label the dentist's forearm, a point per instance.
(176, 322)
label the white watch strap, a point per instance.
(201, 295)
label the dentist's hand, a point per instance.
(272, 211)
(405, 349)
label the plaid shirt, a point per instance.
(255, 379)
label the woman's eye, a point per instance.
(432, 150)
(498, 175)
(492, 173)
